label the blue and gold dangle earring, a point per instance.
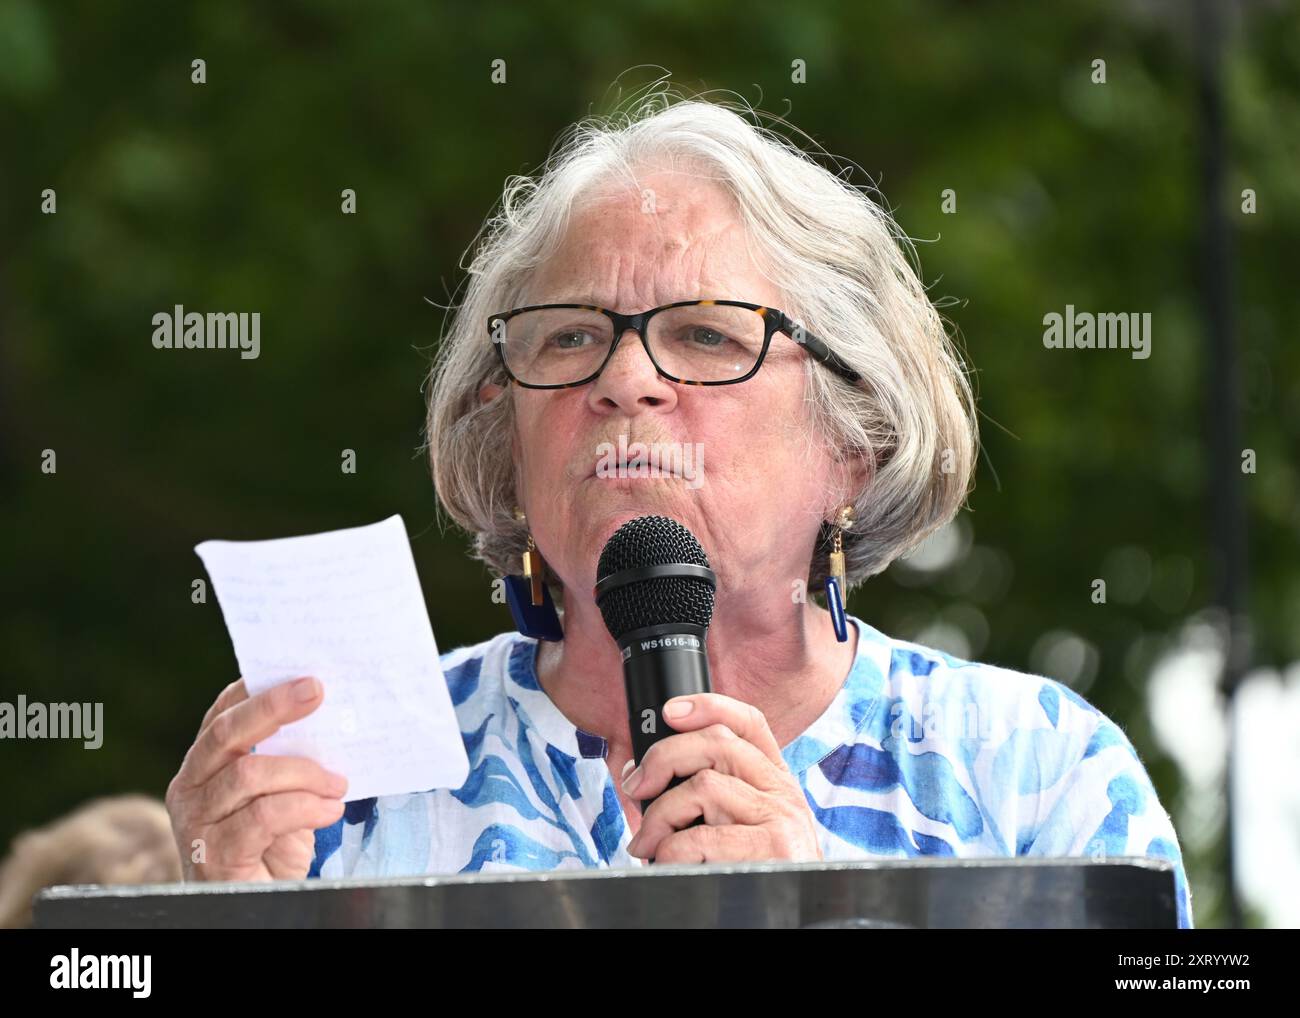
(530, 599)
(835, 581)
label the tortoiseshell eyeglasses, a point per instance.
(693, 342)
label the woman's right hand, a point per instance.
(240, 815)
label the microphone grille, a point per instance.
(653, 541)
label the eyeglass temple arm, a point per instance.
(818, 349)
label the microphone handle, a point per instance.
(654, 676)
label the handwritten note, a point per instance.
(346, 607)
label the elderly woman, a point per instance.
(684, 279)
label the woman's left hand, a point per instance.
(737, 780)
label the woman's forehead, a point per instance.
(648, 262)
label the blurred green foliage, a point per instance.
(226, 196)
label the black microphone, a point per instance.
(655, 592)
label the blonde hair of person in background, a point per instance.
(123, 839)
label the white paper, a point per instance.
(346, 607)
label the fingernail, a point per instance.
(627, 767)
(304, 689)
(678, 708)
(630, 783)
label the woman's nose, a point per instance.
(630, 380)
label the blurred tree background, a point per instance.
(226, 196)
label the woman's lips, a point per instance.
(634, 473)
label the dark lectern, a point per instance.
(906, 894)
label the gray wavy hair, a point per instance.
(846, 273)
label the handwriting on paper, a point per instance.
(346, 607)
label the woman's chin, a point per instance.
(607, 509)
(661, 491)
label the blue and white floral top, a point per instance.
(918, 754)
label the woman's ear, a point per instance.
(489, 392)
(853, 477)
(863, 470)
